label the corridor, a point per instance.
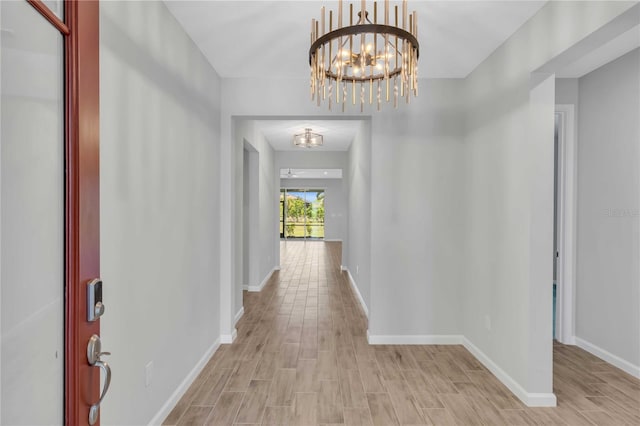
(301, 358)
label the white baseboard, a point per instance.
(239, 315)
(332, 240)
(414, 339)
(182, 388)
(356, 291)
(612, 359)
(343, 268)
(245, 287)
(528, 398)
(227, 339)
(256, 288)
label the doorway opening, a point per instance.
(557, 118)
(564, 224)
(302, 214)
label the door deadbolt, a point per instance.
(95, 308)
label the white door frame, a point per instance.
(566, 226)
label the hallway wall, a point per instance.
(567, 91)
(160, 136)
(607, 264)
(264, 219)
(416, 222)
(358, 249)
(509, 196)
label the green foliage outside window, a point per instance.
(304, 217)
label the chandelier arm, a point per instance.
(364, 28)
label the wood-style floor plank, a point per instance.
(195, 415)
(254, 402)
(371, 376)
(307, 376)
(212, 388)
(281, 392)
(185, 402)
(351, 389)
(357, 417)
(460, 408)
(280, 416)
(438, 417)
(381, 408)
(330, 403)
(407, 408)
(305, 410)
(289, 355)
(301, 358)
(225, 409)
(241, 375)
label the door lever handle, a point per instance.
(95, 408)
(94, 353)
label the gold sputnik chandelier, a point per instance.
(366, 60)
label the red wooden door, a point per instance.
(80, 28)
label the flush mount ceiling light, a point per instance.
(307, 139)
(368, 59)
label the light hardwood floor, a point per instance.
(302, 358)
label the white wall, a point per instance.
(160, 205)
(358, 250)
(416, 207)
(508, 168)
(567, 91)
(608, 281)
(263, 193)
(312, 160)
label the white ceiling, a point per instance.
(271, 38)
(337, 134)
(253, 39)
